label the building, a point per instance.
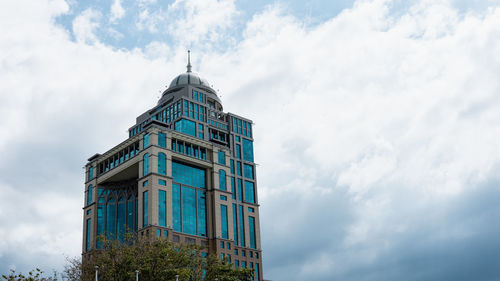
(186, 173)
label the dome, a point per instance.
(189, 78)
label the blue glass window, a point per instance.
(145, 209)
(188, 210)
(202, 214)
(257, 272)
(248, 171)
(162, 208)
(130, 213)
(176, 206)
(223, 197)
(89, 194)
(158, 232)
(110, 218)
(251, 226)
(238, 151)
(100, 221)
(247, 150)
(222, 180)
(235, 227)
(240, 190)
(249, 192)
(222, 157)
(192, 219)
(238, 168)
(242, 227)
(162, 140)
(91, 173)
(223, 214)
(145, 164)
(162, 164)
(186, 126)
(162, 182)
(146, 140)
(201, 132)
(121, 218)
(233, 188)
(232, 166)
(87, 236)
(251, 210)
(243, 264)
(188, 175)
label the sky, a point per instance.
(376, 124)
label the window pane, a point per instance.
(176, 206)
(162, 208)
(251, 225)
(186, 126)
(235, 227)
(162, 140)
(188, 175)
(146, 140)
(222, 157)
(145, 164)
(249, 192)
(223, 214)
(87, 236)
(222, 179)
(145, 209)
(188, 210)
(162, 164)
(248, 171)
(89, 194)
(248, 150)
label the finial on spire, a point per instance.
(189, 61)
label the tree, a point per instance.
(155, 260)
(34, 275)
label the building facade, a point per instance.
(186, 173)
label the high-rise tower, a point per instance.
(186, 173)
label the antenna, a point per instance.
(189, 61)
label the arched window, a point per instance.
(89, 195)
(145, 163)
(222, 179)
(162, 164)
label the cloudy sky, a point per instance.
(377, 124)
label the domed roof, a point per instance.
(189, 78)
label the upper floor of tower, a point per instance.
(190, 105)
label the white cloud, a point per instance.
(117, 11)
(85, 25)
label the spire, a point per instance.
(189, 61)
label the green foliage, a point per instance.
(34, 275)
(223, 271)
(156, 260)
